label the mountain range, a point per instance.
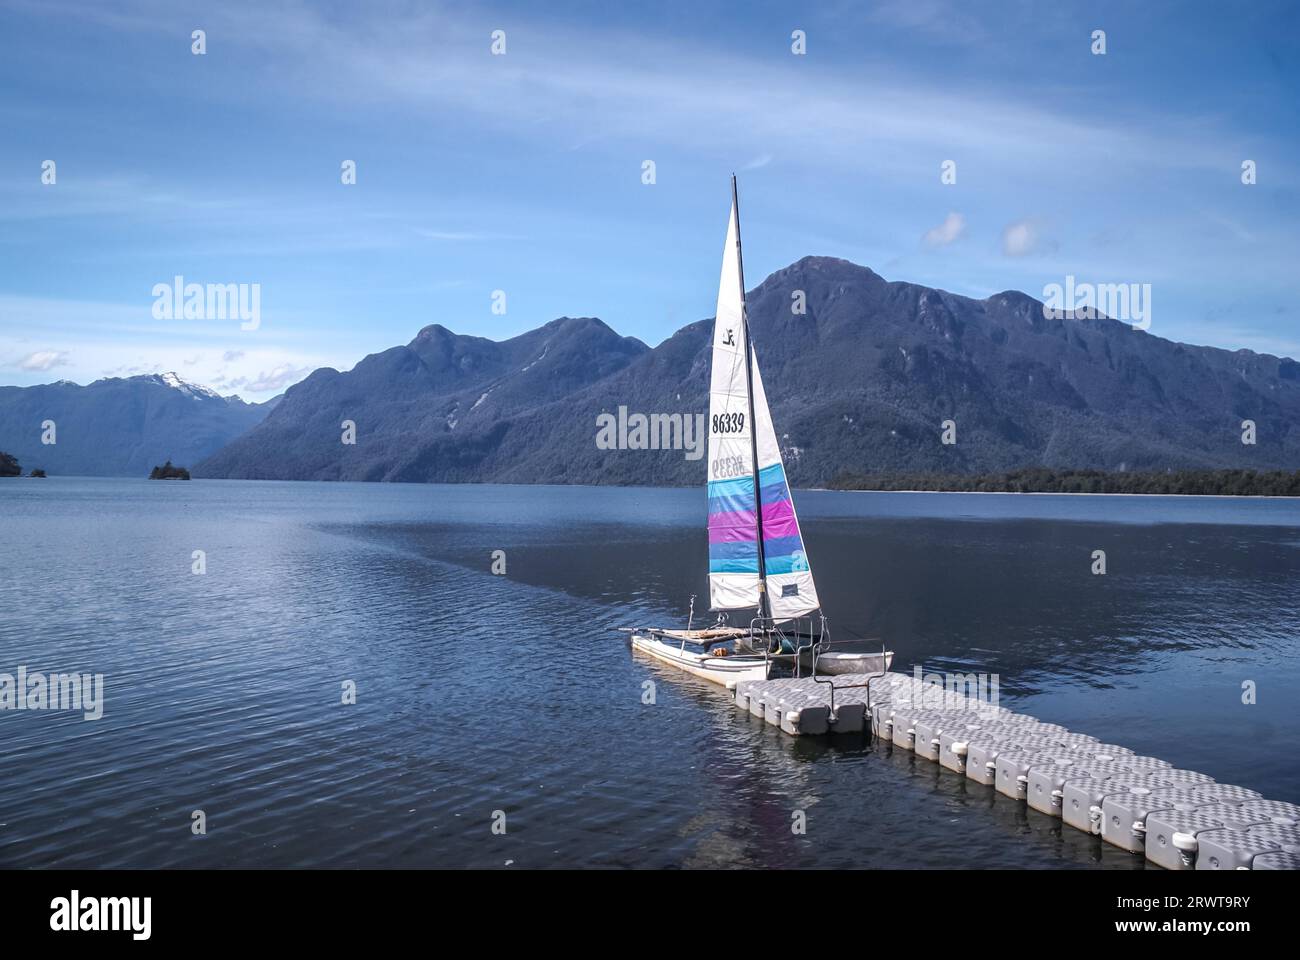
(859, 382)
(120, 426)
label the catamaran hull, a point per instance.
(719, 670)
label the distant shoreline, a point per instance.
(1057, 493)
(1056, 480)
(813, 489)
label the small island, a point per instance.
(38, 473)
(169, 472)
(9, 465)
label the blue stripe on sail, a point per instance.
(775, 492)
(794, 563)
(781, 547)
(738, 494)
(781, 555)
(731, 496)
(790, 563)
(734, 550)
(740, 556)
(730, 488)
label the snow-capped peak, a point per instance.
(189, 389)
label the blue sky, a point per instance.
(523, 172)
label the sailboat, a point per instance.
(757, 559)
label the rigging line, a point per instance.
(764, 603)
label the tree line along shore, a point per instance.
(1205, 483)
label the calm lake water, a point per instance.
(478, 693)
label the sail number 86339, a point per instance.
(728, 423)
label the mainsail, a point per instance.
(755, 546)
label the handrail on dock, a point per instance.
(830, 680)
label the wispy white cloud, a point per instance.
(950, 231)
(107, 196)
(89, 340)
(941, 20)
(465, 235)
(567, 81)
(44, 360)
(1023, 238)
(277, 379)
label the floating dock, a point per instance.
(1177, 819)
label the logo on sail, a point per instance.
(731, 339)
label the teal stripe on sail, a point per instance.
(743, 486)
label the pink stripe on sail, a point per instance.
(738, 526)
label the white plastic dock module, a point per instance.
(848, 717)
(1234, 817)
(1105, 751)
(1081, 799)
(1171, 835)
(1231, 849)
(1222, 793)
(797, 712)
(983, 751)
(1180, 819)
(904, 724)
(1046, 786)
(1288, 838)
(1124, 815)
(1276, 861)
(1011, 769)
(1276, 810)
(926, 730)
(954, 742)
(1190, 779)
